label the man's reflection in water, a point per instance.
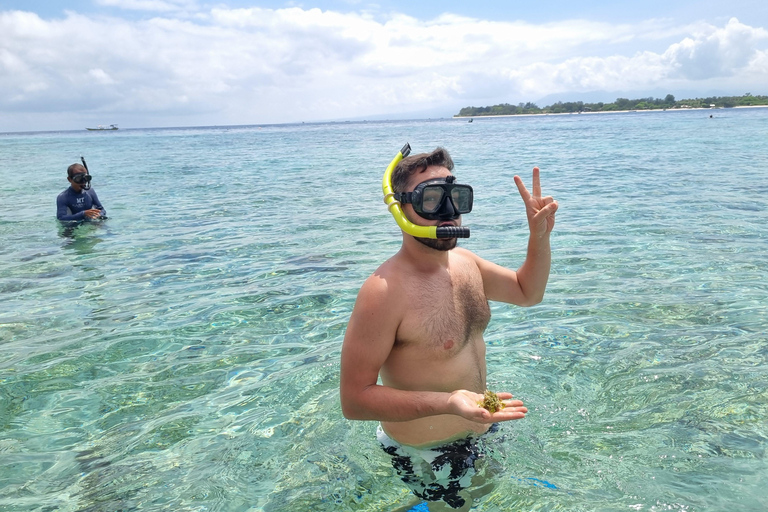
(80, 237)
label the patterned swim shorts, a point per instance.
(439, 472)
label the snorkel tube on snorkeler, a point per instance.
(86, 184)
(396, 209)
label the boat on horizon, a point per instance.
(102, 127)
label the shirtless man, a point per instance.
(418, 324)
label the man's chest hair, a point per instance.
(445, 313)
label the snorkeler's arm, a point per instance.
(526, 286)
(532, 276)
(96, 203)
(368, 341)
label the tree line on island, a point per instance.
(668, 102)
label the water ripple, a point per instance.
(188, 359)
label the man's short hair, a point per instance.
(410, 165)
(75, 168)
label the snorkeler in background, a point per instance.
(413, 356)
(79, 202)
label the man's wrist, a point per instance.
(541, 239)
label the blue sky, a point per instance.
(143, 63)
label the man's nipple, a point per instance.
(448, 345)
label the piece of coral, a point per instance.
(491, 402)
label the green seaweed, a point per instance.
(491, 402)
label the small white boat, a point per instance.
(102, 127)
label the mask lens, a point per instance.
(462, 199)
(431, 198)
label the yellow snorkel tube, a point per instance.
(397, 210)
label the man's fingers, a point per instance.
(546, 211)
(536, 183)
(521, 187)
(505, 415)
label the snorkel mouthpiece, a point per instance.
(397, 210)
(451, 232)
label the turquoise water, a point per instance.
(184, 355)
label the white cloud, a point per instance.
(704, 57)
(716, 52)
(265, 65)
(150, 5)
(100, 76)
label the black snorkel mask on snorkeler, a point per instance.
(84, 180)
(436, 199)
(439, 199)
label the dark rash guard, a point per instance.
(71, 205)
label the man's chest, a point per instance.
(445, 313)
(79, 202)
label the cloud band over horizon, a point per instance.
(257, 65)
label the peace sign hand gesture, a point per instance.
(540, 210)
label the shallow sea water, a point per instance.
(184, 355)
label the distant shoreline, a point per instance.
(457, 116)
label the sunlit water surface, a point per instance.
(184, 355)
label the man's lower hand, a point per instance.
(467, 405)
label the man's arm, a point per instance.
(96, 203)
(526, 286)
(368, 341)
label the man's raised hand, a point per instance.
(539, 210)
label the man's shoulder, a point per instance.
(64, 193)
(379, 293)
(386, 272)
(465, 254)
(385, 279)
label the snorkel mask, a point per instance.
(437, 199)
(84, 180)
